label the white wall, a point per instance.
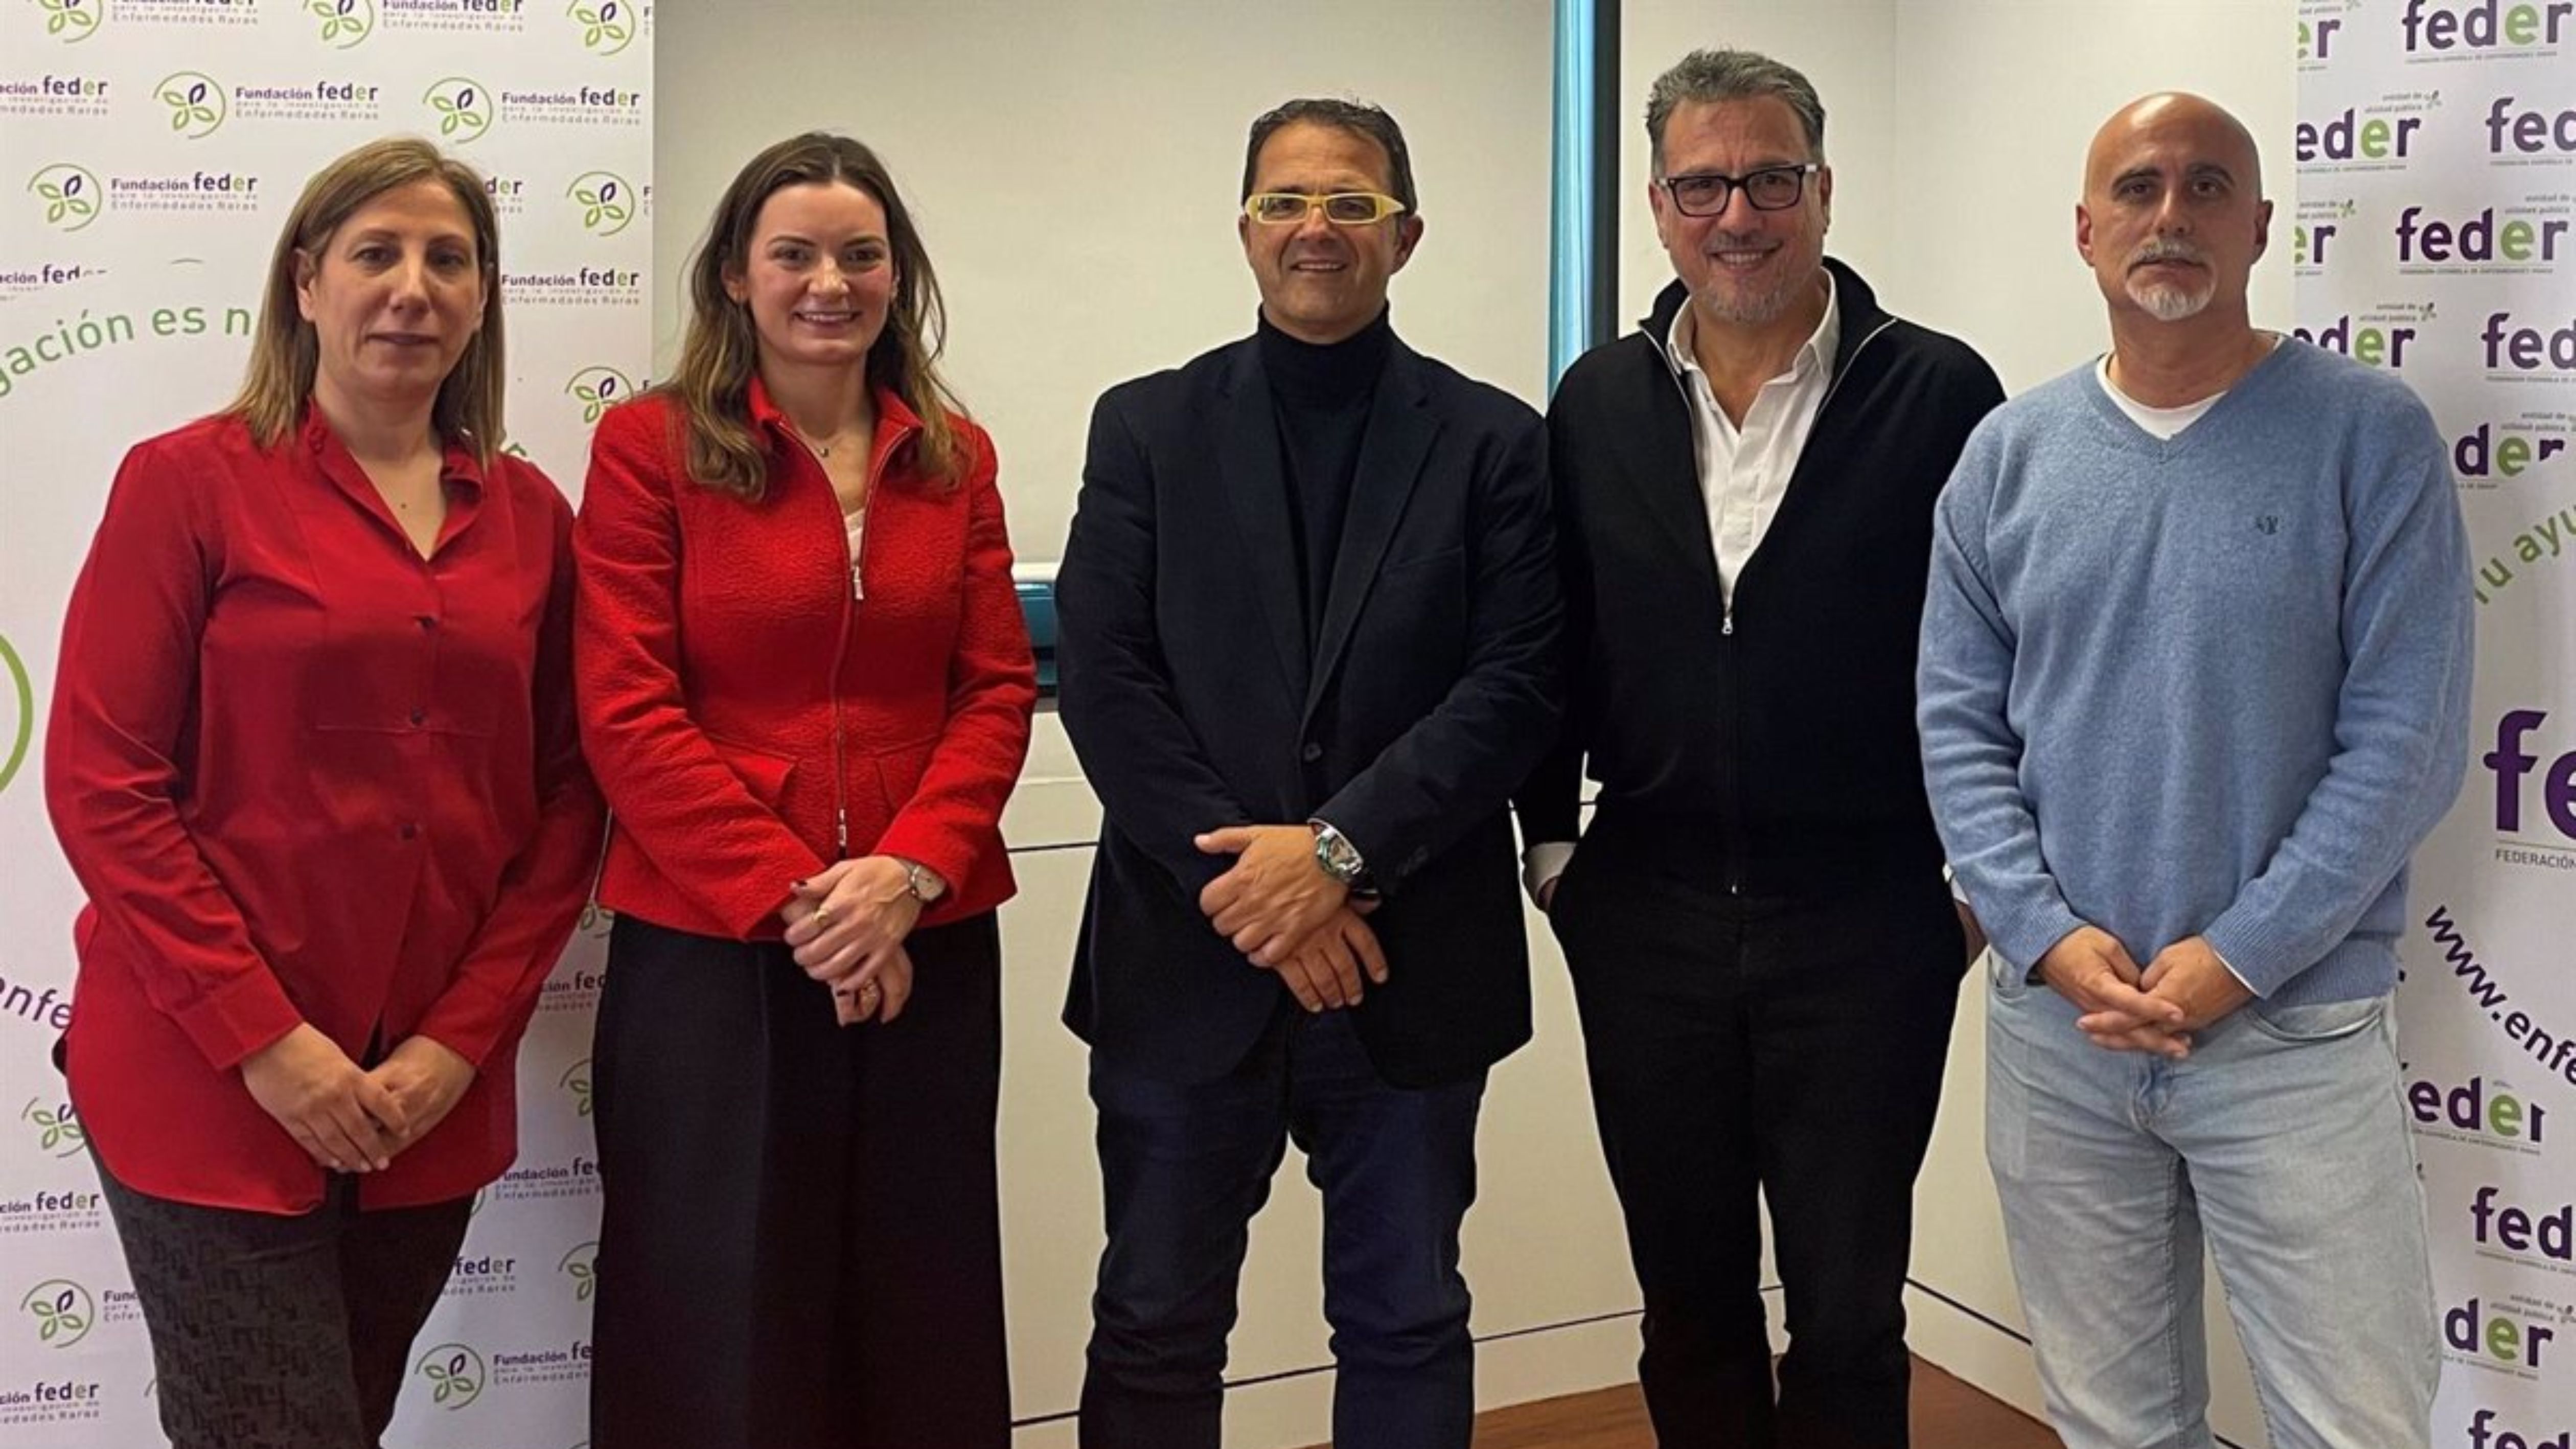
(1957, 131)
(1075, 170)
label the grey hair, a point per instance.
(1733, 75)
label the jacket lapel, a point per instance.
(1400, 429)
(1257, 490)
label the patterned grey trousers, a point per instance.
(276, 1332)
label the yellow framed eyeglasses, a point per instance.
(1342, 208)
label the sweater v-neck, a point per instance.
(2123, 432)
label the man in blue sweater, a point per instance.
(2194, 683)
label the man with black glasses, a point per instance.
(1763, 950)
(1308, 636)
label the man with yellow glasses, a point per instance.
(1308, 647)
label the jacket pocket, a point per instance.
(899, 773)
(762, 773)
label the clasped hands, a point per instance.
(2126, 1009)
(1280, 909)
(348, 1118)
(847, 924)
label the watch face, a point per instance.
(1338, 857)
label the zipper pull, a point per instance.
(1726, 625)
(840, 832)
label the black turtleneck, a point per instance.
(1321, 397)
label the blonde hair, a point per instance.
(284, 353)
(712, 381)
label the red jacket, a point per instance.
(748, 719)
(306, 775)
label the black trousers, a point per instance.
(273, 1332)
(800, 1241)
(1789, 1046)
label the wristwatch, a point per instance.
(1337, 857)
(919, 881)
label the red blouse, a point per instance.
(750, 716)
(306, 775)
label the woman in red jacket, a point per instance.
(313, 758)
(805, 687)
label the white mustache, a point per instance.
(2167, 249)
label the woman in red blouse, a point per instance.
(805, 686)
(313, 758)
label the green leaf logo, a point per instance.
(580, 1265)
(23, 731)
(73, 21)
(607, 26)
(454, 1373)
(607, 202)
(197, 103)
(576, 1082)
(598, 389)
(62, 1311)
(58, 1128)
(465, 109)
(345, 23)
(69, 195)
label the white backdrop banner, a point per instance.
(149, 150)
(2435, 236)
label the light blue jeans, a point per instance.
(2282, 1141)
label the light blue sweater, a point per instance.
(2216, 685)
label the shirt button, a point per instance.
(428, 621)
(409, 830)
(1311, 753)
(419, 717)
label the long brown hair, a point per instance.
(285, 353)
(712, 382)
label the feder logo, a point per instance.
(2483, 1436)
(2511, 764)
(2484, 25)
(2528, 349)
(454, 1373)
(2528, 132)
(2368, 344)
(465, 109)
(18, 733)
(56, 1125)
(346, 24)
(607, 27)
(599, 389)
(73, 21)
(2351, 137)
(2499, 1340)
(2479, 238)
(196, 101)
(2480, 1108)
(607, 202)
(70, 195)
(2484, 452)
(580, 1266)
(62, 1311)
(575, 1083)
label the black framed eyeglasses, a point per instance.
(1773, 188)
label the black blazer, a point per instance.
(1191, 695)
